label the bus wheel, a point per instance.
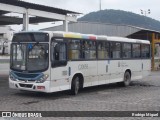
(75, 85)
(127, 79)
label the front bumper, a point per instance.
(30, 86)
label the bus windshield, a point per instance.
(30, 57)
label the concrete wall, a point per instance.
(97, 29)
(6, 35)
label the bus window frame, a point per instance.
(66, 41)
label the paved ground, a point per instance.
(4, 65)
(4, 69)
(142, 95)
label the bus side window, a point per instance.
(127, 50)
(89, 50)
(136, 50)
(115, 49)
(145, 51)
(74, 52)
(103, 50)
(58, 54)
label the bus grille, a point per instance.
(26, 85)
(29, 77)
(23, 75)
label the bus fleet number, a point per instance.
(83, 66)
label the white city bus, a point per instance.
(57, 61)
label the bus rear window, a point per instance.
(31, 37)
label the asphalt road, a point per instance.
(142, 95)
(4, 69)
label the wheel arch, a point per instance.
(81, 77)
(129, 70)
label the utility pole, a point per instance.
(100, 8)
(145, 13)
(100, 5)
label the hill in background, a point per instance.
(122, 17)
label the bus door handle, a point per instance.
(106, 68)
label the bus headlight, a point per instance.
(12, 77)
(42, 79)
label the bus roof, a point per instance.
(90, 36)
(97, 37)
(122, 39)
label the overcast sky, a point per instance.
(87, 6)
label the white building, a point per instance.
(6, 34)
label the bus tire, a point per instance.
(75, 85)
(126, 79)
